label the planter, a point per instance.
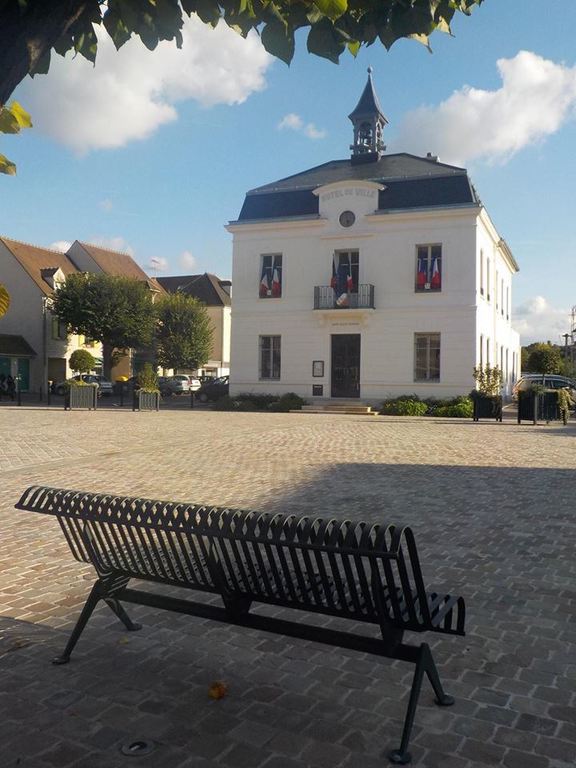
(539, 406)
(146, 401)
(81, 397)
(487, 407)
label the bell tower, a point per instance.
(368, 121)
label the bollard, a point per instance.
(121, 394)
(19, 396)
(48, 394)
(40, 394)
(191, 398)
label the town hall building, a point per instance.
(370, 277)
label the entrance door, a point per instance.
(346, 365)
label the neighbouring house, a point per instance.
(215, 294)
(369, 277)
(88, 257)
(33, 343)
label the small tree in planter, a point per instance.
(147, 396)
(486, 397)
(82, 361)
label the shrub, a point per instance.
(148, 379)
(458, 408)
(288, 402)
(404, 406)
(248, 401)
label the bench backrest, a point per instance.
(350, 569)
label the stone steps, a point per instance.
(343, 408)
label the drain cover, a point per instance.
(137, 747)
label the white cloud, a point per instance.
(106, 205)
(187, 260)
(537, 96)
(60, 245)
(536, 320)
(158, 264)
(293, 122)
(130, 93)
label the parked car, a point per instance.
(548, 380)
(177, 384)
(214, 389)
(195, 383)
(105, 387)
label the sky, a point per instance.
(152, 153)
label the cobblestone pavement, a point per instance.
(493, 510)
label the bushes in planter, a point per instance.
(260, 402)
(404, 406)
(410, 405)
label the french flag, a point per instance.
(334, 280)
(276, 287)
(421, 276)
(264, 284)
(349, 283)
(435, 282)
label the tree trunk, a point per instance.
(26, 35)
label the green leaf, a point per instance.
(6, 166)
(324, 40)
(14, 118)
(353, 48)
(332, 8)
(42, 65)
(116, 28)
(278, 40)
(23, 118)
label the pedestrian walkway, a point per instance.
(493, 509)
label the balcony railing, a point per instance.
(325, 297)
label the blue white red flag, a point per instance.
(264, 284)
(436, 280)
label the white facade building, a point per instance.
(370, 277)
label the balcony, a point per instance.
(325, 298)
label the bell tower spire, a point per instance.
(368, 121)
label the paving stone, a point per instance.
(475, 526)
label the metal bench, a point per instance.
(351, 570)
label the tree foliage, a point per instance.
(12, 120)
(544, 358)
(82, 361)
(183, 332)
(117, 311)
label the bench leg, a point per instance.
(103, 589)
(424, 666)
(87, 610)
(116, 606)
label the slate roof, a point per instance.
(37, 262)
(368, 103)
(15, 346)
(207, 288)
(409, 181)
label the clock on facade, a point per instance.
(347, 218)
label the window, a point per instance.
(496, 290)
(487, 351)
(270, 276)
(502, 297)
(426, 357)
(269, 357)
(345, 272)
(59, 329)
(507, 302)
(482, 273)
(481, 351)
(429, 268)
(488, 279)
